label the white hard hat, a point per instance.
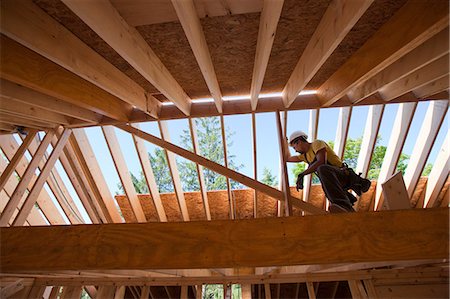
(296, 134)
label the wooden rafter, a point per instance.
(438, 174)
(190, 21)
(427, 135)
(124, 174)
(370, 135)
(412, 25)
(268, 23)
(430, 50)
(439, 85)
(84, 152)
(231, 199)
(345, 113)
(255, 166)
(200, 174)
(23, 66)
(276, 194)
(399, 132)
(173, 168)
(37, 187)
(26, 23)
(26, 122)
(312, 135)
(106, 21)
(342, 16)
(382, 235)
(425, 75)
(284, 178)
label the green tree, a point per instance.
(268, 178)
(426, 171)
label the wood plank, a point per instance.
(23, 66)
(122, 170)
(397, 139)
(149, 176)
(201, 176)
(439, 85)
(311, 291)
(272, 192)
(231, 201)
(313, 129)
(37, 187)
(282, 145)
(255, 166)
(430, 50)
(173, 168)
(370, 135)
(412, 25)
(26, 122)
(25, 180)
(190, 22)
(26, 23)
(6, 174)
(428, 132)
(438, 174)
(84, 152)
(106, 21)
(341, 16)
(382, 236)
(28, 96)
(345, 114)
(395, 194)
(266, 34)
(423, 76)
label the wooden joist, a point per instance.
(369, 237)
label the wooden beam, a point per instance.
(173, 168)
(255, 166)
(6, 174)
(23, 66)
(149, 176)
(373, 122)
(231, 200)
(439, 85)
(276, 194)
(25, 180)
(201, 176)
(399, 132)
(28, 96)
(106, 21)
(341, 16)
(312, 132)
(268, 23)
(412, 25)
(84, 152)
(122, 170)
(345, 113)
(382, 236)
(423, 76)
(430, 50)
(267, 293)
(37, 187)
(311, 291)
(438, 174)
(187, 14)
(284, 175)
(26, 23)
(427, 136)
(26, 122)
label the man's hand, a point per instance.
(299, 183)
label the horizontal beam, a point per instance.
(369, 237)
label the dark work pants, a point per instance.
(334, 181)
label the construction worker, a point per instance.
(335, 176)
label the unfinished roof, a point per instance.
(69, 65)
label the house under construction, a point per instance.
(68, 66)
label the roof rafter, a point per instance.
(341, 16)
(412, 25)
(439, 85)
(313, 128)
(345, 113)
(104, 19)
(231, 199)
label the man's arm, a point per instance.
(321, 158)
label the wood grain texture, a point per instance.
(369, 237)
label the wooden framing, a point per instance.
(219, 168)
(104, 19)
(345, 113)
(284, 178)
(173, 168)
(29, 25)
(342, 16)
(383, 235)
(122, 170)
(312, 132)
(437, 86)
(400, 130)
(270, 15)
(255, 166)
(149, 176)
(190, 21)
(201, 177)
(424, 21)
(428, 131)
(373, 122)
(225, 158)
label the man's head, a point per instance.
(298, 141)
